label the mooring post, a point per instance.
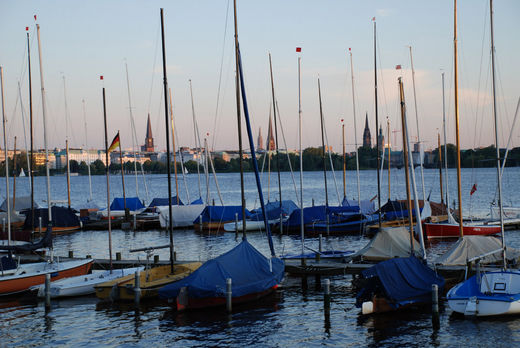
(236, 226)
(137, 289)
(313, 202)
(135, 221)
(326, 294)
(200, 223)
(40, 224)
(71, 254)
(118, 256)
(229, 295)
(47, 290)
(435, 307)
(320, 245)
(156, 259)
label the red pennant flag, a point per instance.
(298, 49)
(34, 17)
(373, 19)
(101, 77)
(349, 49)
(473, 189)
(26, 28)
(398, 67)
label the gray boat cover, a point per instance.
(388, 243)
(469, 247)
(21, 203)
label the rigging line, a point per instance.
(382, 83)
(220, 75)
(153, 67)
(24, 135)
(287, 152)
(331, 164)
(177, 143)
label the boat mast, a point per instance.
(31, 125)
(174, 149)
(377, 127)
(323, 147)
(499, 176)
(107, 174)
(86, 147)
(445, 153)
(275, 133)
(355, 128)
(459, 192)
(14, 175)
(122, 176)
(133, 127)
(344, 161)
(417, 122)
(6, 161)
(406, 164)
(302, 233)
(196, 136)
(239, 121)
(439, 153)
(165, 83)
(389, 147)
(67, 141)
(44, 110)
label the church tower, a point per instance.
(271, 145)
(367, 138)
(148, 141)
(260, 142)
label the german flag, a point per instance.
(115, 143)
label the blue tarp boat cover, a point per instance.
(198, 201)
(132, 203)
(159, 202)
(249, 270)
(367, 207)
(272, 210)
(61, 217)
(218, 213)
(395, 210)
(402, 281)
(317, 213)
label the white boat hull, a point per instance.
(83, 285)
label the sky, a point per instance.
(82, 40)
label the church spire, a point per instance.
(148, 141)
(367, 138)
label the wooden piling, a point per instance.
(229, 295)
(47, 290)
(326, 294)
(435, 307)
(137, 289)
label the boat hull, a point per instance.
(31, 275)
(446, 230)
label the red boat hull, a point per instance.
(24, 282)
(446, 230)
(199, 303)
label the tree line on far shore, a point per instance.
(312, 161)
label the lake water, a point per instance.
(294, 316)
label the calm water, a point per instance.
(291, 317)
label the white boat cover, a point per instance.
(182, 215)
(388, 243)
(469, 247)
(23, 202)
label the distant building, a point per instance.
(271, 145)
(148, 141)
(260, 143)
(381, 138)
(367, 138)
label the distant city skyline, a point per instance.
(83, 40)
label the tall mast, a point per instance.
(389, 147)
(107, 174)
(174, 148)
(459, 192)
(122, 176)
(355, 128)
(67, 140)
(196, 136)
(439, 154)
(133, 128)
(275, 132)
(6, 158)
(165, 83)
(499, 176)
(377, 127)
(406, 164)
(239, 121)
(86, 147)
(344, 161)
(31, 167)
(14, 175)
(44, 110)
(417, 122)
(323, 147)
(68, 171)
(445, 152)
(302, 234)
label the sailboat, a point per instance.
(22, 174)
(252, 275)
(489, 293)
(15, 277)
(452, 229)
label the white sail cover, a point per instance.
(21, 203)
(182, 215)
(388, 243)
(469, 247)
